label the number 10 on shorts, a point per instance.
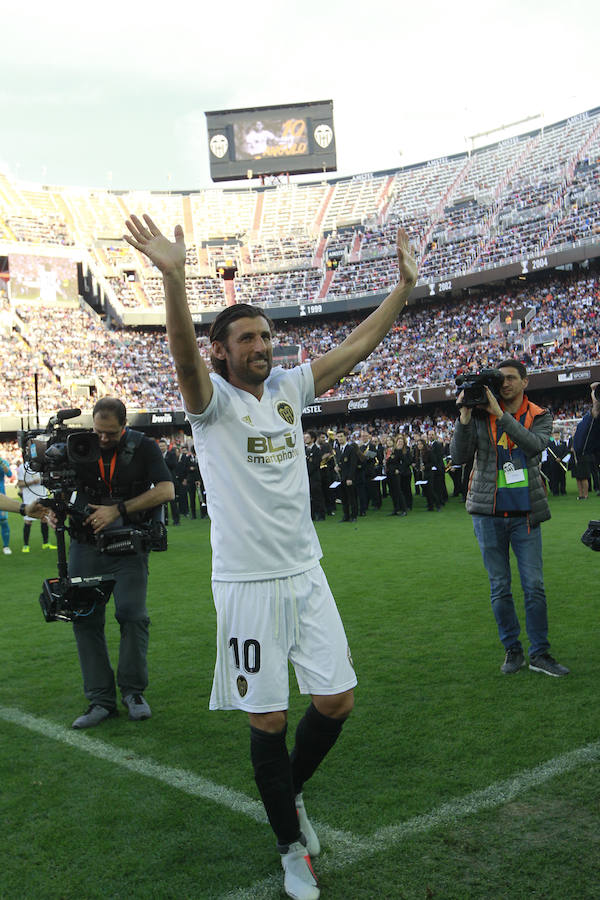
(250, 655)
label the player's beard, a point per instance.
(247, 373)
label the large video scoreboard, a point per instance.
(270, 140)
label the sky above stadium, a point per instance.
(113, 94)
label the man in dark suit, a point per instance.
(170, 458)
(439, 470)
(193, 482)
(313, 464)
(347, 458)
(327, 469)
(182, 472)
(556, 468)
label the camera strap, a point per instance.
(124, 453)
(111, 472)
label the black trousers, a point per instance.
(129, 594)
(396, 493)
(349, 500)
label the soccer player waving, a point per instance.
(272, 600)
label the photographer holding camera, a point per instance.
(123, 489)
(507, 499)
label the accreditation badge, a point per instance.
(512, 475)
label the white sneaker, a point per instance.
(299, 879)
(312, 841)
(7, 551)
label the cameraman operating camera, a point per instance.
(125, 487)
(507, 500)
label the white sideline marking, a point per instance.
(343, 848)
(338, 856)
(181, 779)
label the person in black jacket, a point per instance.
(362, 475)
(557, 468)
(313, 464)
(439, 468)
(170, 458)
(347, 460)
(126, 486)
(393, 466)
(328, 473)
(586, 444)
(182, 480)
(405, 465)
(424, 462)
(193, 482)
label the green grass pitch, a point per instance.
(435, 722)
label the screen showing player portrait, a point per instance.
(270, 140)
(45, 278)
(261, 138)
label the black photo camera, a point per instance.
(474, 386)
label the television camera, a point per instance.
(61, 454)
(55, 453)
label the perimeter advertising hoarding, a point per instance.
(166, 419)
(268, 140)
(538, 381)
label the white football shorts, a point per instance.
(263, 624)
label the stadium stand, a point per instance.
(465, 214)
(429, 345)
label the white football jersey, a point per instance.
(252, 460)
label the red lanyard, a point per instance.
(113, 463)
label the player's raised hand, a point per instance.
(406, 260)
(148, 239)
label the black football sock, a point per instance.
(315, 736)
(26, 533)
(273, 776)
(44, 532)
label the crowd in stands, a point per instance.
(40, 231)
(518, 197)
(288, 247)
(515, 198)
(279, 288)
(430, 344)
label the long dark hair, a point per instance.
(220, 329)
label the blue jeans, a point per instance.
(496, 536)
(4, 528)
